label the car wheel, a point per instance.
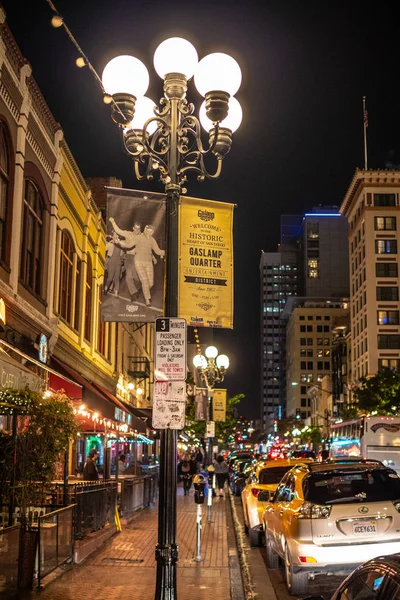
(272, 557)
(297, 583)
(254, 538)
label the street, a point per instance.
(324, 586)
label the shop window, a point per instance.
(32, 238)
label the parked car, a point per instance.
(240, 474)
(354, 459)
(328, 518)
(377, 579)
(262, 482)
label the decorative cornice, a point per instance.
(363, 178)
(14, 54)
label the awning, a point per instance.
(102, 393)
(144, 414)
(136, 423)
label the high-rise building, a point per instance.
(311, 261)
(372, 209)
(279, 282)
(308, 348)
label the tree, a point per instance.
(380, 393)
(222, 429)
(312, 435)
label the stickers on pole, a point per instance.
(210, 433)
(169, 402)
(170, 350)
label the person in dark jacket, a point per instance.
(90, 470)
(186, 471)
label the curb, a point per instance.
(237, 591)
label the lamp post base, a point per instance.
(166, 557)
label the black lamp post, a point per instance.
(166, 139)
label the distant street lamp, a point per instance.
(166, 139)
(211, 369)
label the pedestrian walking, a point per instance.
(186, 471)
(90, 472)
(221, 470)
(199, 460)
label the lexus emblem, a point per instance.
(363, 509)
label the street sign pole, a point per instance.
(170, 365)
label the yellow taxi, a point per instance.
(262, 482)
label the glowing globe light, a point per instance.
(143, 111)
(175, 55)
(222, 361)
(200, 361)
(211, 352)
(218, 72)
(125, 75)
(232, 121)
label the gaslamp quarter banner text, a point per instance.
(206, 263)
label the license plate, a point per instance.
(366, 527)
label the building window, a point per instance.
(88, 300)
(313, 273)
(388, 317)
(4, 191)
(387, 293)
(388, 363)
(385, 223)
(302, 341)
(101, 327)
(77, 308)
(386, 269)
(303, 401)
(312, 230)
(384, 199)
(386, 246)
(309, 328)
(302, 328)
(66, 277)
(313, 263)
(32, 238)
(389, 342)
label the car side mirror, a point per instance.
(263, 496)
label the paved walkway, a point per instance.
(125, 566)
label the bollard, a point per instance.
(199, 484)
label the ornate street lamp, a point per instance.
(166, 140)
(211, 369)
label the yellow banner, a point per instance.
(219, 405)
(205, 278)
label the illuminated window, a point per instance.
(313, 273)
(313, 263)
(388, 317)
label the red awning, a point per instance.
(58, 382)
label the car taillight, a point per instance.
(396, 504)
(255, 491)
(313, 511)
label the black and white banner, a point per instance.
(135, 256)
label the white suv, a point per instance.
(329, 518)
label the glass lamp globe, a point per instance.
(175, 55)
(218, 72)
(139, 391)
(199, 361)
(125, 75)
(222, 361)
(211, 352)
(143, 111)
(232, 121)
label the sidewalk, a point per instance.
(125, 567)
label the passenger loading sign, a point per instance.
(170, 349)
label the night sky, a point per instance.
(306, 66)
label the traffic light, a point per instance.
(297, 413)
